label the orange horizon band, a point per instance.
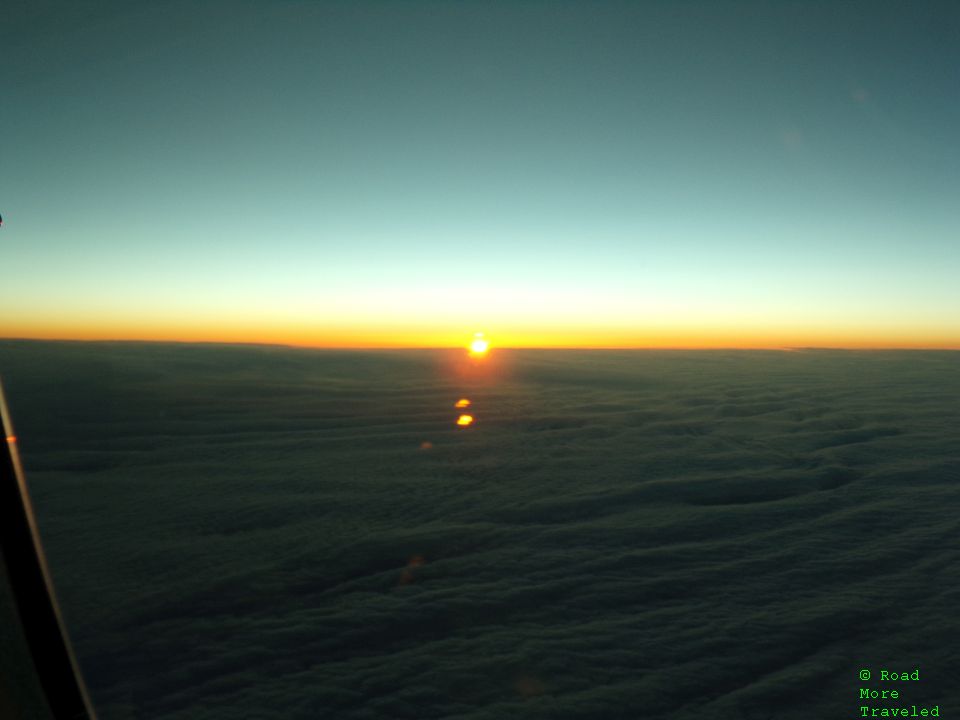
(506, 340)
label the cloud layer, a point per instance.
(256, 532)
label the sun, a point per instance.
(479, 346)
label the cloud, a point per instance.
(243, 532)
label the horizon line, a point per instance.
(254, 343)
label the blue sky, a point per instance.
(294, 170)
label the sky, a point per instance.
(643, 174)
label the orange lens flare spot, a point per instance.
(465, 420)
(462, 403)
(11, 439)
(408, 576)
(426, 445)
(529, 686)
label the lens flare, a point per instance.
(462, 403)
(465, 420)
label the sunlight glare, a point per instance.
(479, 346)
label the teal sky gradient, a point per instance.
(486, 162)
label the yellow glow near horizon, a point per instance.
(465, 420)
(128, 324)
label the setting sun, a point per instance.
(465, 420)
(479, 346)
